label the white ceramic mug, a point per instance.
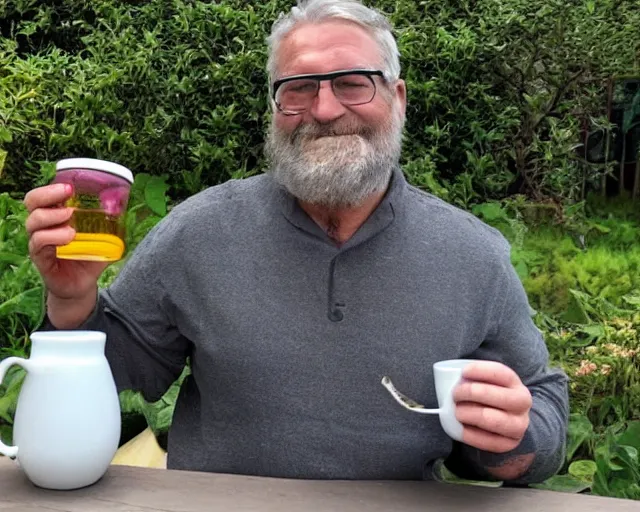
(67, 423)
(447, 374)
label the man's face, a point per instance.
(333, 154)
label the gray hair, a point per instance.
(315, 11)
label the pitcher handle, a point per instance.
(10, 451)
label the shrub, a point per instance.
(499, 90)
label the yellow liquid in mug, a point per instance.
(99, 237)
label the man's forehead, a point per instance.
(325, 47)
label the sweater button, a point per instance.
(336, 315)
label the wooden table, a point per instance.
(133, 489)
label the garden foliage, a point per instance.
(500, 91)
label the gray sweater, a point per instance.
(288, 335)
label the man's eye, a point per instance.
(301, 88)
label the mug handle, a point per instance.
(10, 451)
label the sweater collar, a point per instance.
(381, 218)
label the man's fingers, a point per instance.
(492, 420)
(43, 218)
(47, 196)
(491, 372)
(512, 400)
(487, 441)
(50, 237)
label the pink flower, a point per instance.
(618, 351)
(586, 367)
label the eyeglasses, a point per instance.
(294, 95)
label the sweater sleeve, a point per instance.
(515, 341)
(145, 349)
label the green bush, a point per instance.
(21, 288)
(498, 90)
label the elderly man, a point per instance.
(292, 293)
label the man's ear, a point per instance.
(401, 95)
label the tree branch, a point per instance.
(557, 97)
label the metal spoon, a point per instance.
(405, 401)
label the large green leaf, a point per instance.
(576, 312)
(580, 430)
(490, 212)
(12, 258)
(442, 474)
(10, 391)
(631, 436)
(594, 332)
(563, 483)
(522, 269)
(155, 195)
(6, 434)
(159, 414)
(627, 459)
(26, 302)
(583, 470)
(632, 299)
(5, 136)
(600, 484)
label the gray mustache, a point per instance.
(312, 132)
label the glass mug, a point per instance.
(100, 196)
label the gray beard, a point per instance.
(334, 166)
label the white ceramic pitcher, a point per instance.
(67, 422)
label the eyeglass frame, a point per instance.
(323, 77)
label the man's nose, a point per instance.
(326, 107)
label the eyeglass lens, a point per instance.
(297, 95)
